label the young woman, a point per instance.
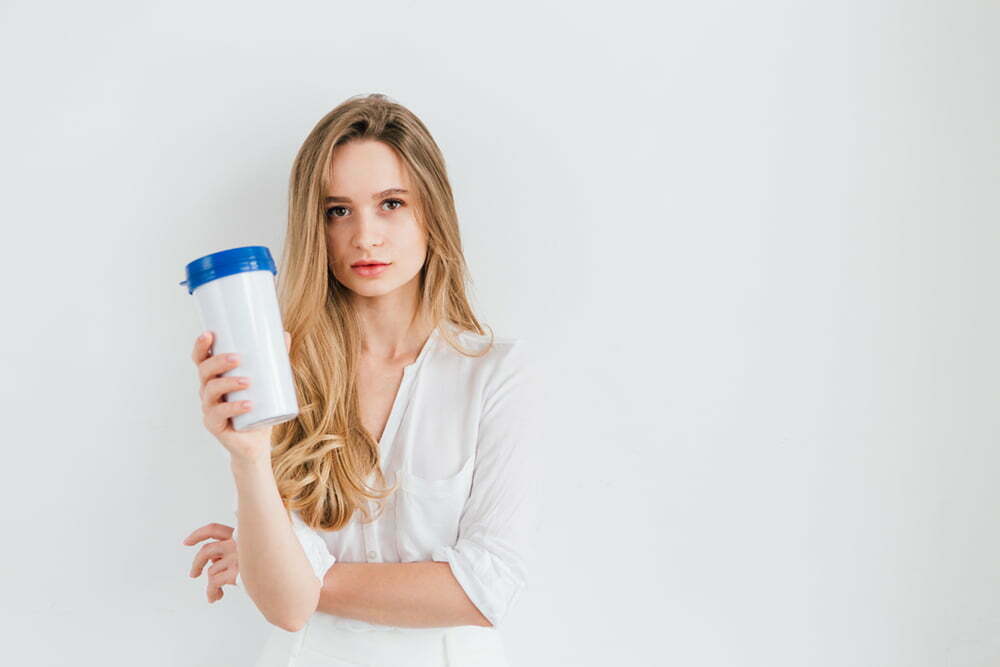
(390, 522)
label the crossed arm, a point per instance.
(486, 564)
(423, 594)
(419, 594)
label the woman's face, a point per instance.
(366, 223)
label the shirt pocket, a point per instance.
(428, 511)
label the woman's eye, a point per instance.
(329, 211)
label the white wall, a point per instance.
(760, 240)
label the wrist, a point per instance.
(243, 463)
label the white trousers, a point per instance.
(322, 643)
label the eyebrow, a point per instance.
(377, 195)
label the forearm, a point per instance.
(423, 594)
(275, 571)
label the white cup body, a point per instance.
(241, 310)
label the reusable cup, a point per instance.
(237, 300)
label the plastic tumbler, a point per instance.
(237, 300)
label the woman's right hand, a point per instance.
(247, 445)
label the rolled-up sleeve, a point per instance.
(489, 559)
(313, 545)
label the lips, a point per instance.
(363, 263)
(370, 270)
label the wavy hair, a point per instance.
(323, 458)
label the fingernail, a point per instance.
(231, 357)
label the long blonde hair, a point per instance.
(323, 458)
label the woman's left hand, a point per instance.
(221, 552)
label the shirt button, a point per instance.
(371, 555)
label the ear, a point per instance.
(288, 341)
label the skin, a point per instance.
(385, 228)
(216, 414)
(358, 227)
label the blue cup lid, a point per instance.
(226, 263)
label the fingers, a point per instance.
(221, 553)
(219, 531)
(216, 365)
(212, 550)
(202, 345)
(225, 576)
(214, 385)
(211, 368)
(216, 419)
(220, 566)
(214, 389)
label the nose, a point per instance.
(367, 234)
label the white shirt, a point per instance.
(460, 439)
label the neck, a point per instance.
(393, 338)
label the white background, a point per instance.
(758, 240)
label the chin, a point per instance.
(371, 291)
(362, 288)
